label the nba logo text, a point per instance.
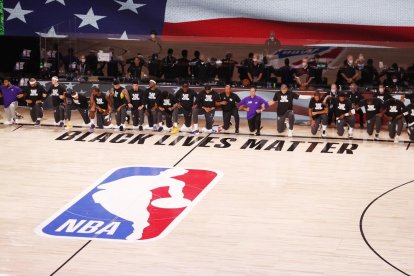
(132, 203)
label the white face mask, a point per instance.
(350, 62)
(394, 80)
(255, 59)
(381, 90)
(333, 91)
(153, 36)
(304, 64)
(83, 60)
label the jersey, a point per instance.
(232, 100)
(207, 99)
(316, 106)
(285, 101)
(34, 93)
(393, 108)
(137, 97)
(118, 97)
(151, 97)
(340, 108)
(186, 100)
(371, 109)
(408, 112)
(101, 101)
(81, 102)
(167, 102)
(55, 92)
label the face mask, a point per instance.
(394, 80)
(333, 91)
(350, 62)
(304, 64)
(83, 60)
(381, 90)
(255, 59)
(152, 36)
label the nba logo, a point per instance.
(132, 203)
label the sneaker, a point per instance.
(204, 130)
(207, 130)
(37, 123)
(323, 133)
(160, 129)
(236, 131)
(155, 128)
(350, 136)
(92, 127)
(121, 128)
(183, 128)
(140, 128)
(396, 139)
(61, 124)
(109, 126)
(290, 133)
(127, 119)
(174, 130)
(195, 132)
(7, 123)
(376, 136)
(257, 133)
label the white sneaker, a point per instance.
(290, 133)
(108, 127)
(323, 134)
(7, 123)
(183, 128)
(203, 130)
(208, 131)
(396, 139)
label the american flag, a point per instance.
(351, 20)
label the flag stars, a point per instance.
(17, 12)
(59, 1)
(89, 19)
(129, 5)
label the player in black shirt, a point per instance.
(318, 113)
(101, 106)
(355, 96)
(121, 101)
(206, 104)
(408, 113)
(57, 93)
(137, 97)
(382, 94)
(151, 95)
(344, 113)
(228, 102)
(35, 95)
(372, 108)
(284, 110)
(186, 103)
(79, 102)
(166, 104)
(393, 111)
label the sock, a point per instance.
(195, 127)
(324, 127)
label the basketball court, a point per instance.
(278, 206)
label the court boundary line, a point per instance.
(361, 227)
(89, 241)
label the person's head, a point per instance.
(135, 85)
(96, 91)
(185, 87)
(350, 60)
(381, 89)
(229, 56)
(32, 82)
(153, 34)
(152, 83)
(341, 96)
(317, 95)
(197, 54)
(394, 66)
(164, 94)
(207, 88)
(74, 95)
(6, 82)
(154, 56)
(252, 91)
(55, 80)
(287, 62)
(316, 58)
(284, 88)
(370, 62)
(255, 58)
(116, 84)
(272, 35)
(305, 62)
(170, 51)
(83, 59)
(353, 87)
(184, 53)
(136, 61)
(227, 89)
(250, 55)
(334, 88)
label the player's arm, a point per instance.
(110, 107)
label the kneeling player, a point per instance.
(409, 118)
(80, 103)
(101, 107)
(137, 96)
(372, 108)
(206, 101)
(318, 113)
(393, 110)
(344, 114)
(166, 103)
